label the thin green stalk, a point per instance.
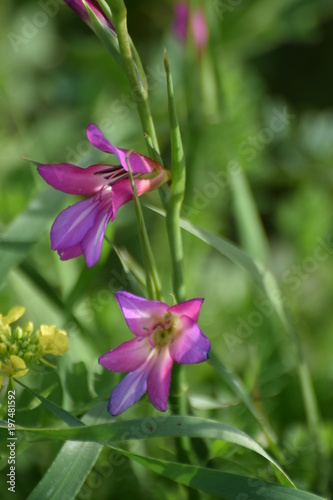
(152, 278)
(173, 205)
(177, 192)
(139, 91)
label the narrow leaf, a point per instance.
(222, 484)
(170, 426)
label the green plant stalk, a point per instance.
(175, 201)
(152, 278)
(178, 400)
(139, 92)
(172, 203)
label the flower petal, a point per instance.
(128, 356)
(140, 314)
(190, 308)
(93, 240)
(78, 7)
(159, 379)
(139, 164)
(71, 252)
(129, 390)
(72, 224)
(72, 179)
(181, 15)
(121, 193)
(191, 345)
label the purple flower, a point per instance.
(181, 14)
(199, 29)
(78, 7)
(80, 228)
(196, 23)
(163, 335)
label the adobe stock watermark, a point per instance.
(31, 27)
(291, 451)
(250, 147)
(118, 111)
(211, 189)
(90, 306)
(105, 468)
(222, 7)
(293, 278)
(255, 144)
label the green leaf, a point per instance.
(27, 229)
(169, 426)
(55, 409)
(133, 270)
(68, 472)
(222, 484)
(249, 223)
(223, 246)
(72, 465)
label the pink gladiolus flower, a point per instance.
(199, 29)
(163, 335)
(80, 228)
(196, 23)
(181, 14)
(78, 7)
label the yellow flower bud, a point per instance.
(28, 328)
(3, 348)
(27, 356)
(18, 333)
(52, 340)
(13, 349)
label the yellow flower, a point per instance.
(13, 315)
(14, 366)
(52, 340)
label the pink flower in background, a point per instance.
(196, 23)
(181, 14)
(199, 29)
(78, 7)
(80, 228)
(163, 335)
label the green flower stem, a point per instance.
(172, 203)
(139, 91)
(152, 277)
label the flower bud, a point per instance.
(18, 333)
(13, 349)
(28, 328)
(3, 348)
(28, 356)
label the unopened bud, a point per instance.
(28, 356)
(28, 327)
(18, 333)
(5, 330)
(3, 348)
(13, 349)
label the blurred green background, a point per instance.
(259, 96)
